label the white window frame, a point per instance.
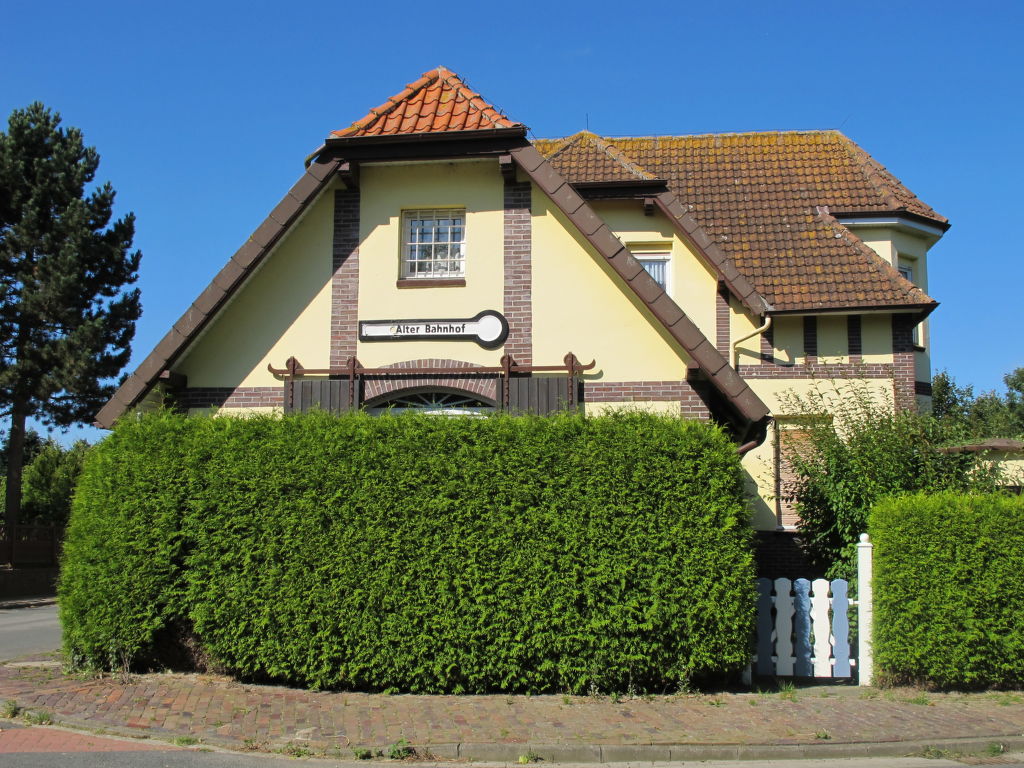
(646, 253)
(436, 267)
(907, 272)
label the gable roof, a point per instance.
(758, 195)
(439, 102)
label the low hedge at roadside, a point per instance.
(414, 553)
(949, 590)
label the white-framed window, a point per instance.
(656, 265)
(656, 259)
(907, 272)
(434, 243)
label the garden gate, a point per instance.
(803, 627)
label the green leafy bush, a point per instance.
(48, 483)
(949, 597)
(860, 450)
(416, 553)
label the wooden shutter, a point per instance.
(541, 395)
(331, 395)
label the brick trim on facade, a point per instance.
(231, 397)
(904, 371)
(345, 276)
(811, 339)
(854, 339)
(818, 371)
(723, 317)
(690, 402)
(375, 386)
(518, 292)
(768, 345)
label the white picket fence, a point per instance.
(803, 627)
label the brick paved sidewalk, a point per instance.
(221, 712)
(16, 738)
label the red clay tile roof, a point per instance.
(439, 101)
(592, 159)
(757, 196)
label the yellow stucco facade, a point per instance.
(576, 303)
(284, 309)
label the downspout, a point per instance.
(752, 334)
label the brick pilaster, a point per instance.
(345, 279)
(768, 345)
(518, 296)
(722, 320)
(854, 342)
(903, 369)
(811, 339)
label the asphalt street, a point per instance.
(32, 629)
(195, 759)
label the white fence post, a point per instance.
(865, 611)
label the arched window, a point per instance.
(447, 402)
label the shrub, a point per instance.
(48, 483)
(417, 553)
(858, 451)
(949, 598)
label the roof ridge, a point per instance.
(474, 98)
(865, 162)
(621, 157)
(710, 135)
(481, 109)
(585, 138)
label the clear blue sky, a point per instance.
(203, 112)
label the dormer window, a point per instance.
(434, 243)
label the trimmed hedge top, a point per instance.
(949, 590)
(416, 553)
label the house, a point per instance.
(432, 256)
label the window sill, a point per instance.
(431, 282)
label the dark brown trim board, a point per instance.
(234, 273)
(750, 412)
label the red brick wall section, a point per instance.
(345, 280)
(518, 298)
(483, 385)
(903, 361)
(768, 345)
(232, 397)
(690, 403)
(817, 371)
(811, 339)
(722, 320)
(854, 340)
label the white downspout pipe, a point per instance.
(752, 334)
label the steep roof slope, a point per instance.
(438, 102)
(764, 198)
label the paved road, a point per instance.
(33, 629)
(34, 747)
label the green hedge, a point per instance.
(949, 590)
(415, 553)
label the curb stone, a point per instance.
(27, 602)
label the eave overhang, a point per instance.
(923, 310)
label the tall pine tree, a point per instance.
(66, 320)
